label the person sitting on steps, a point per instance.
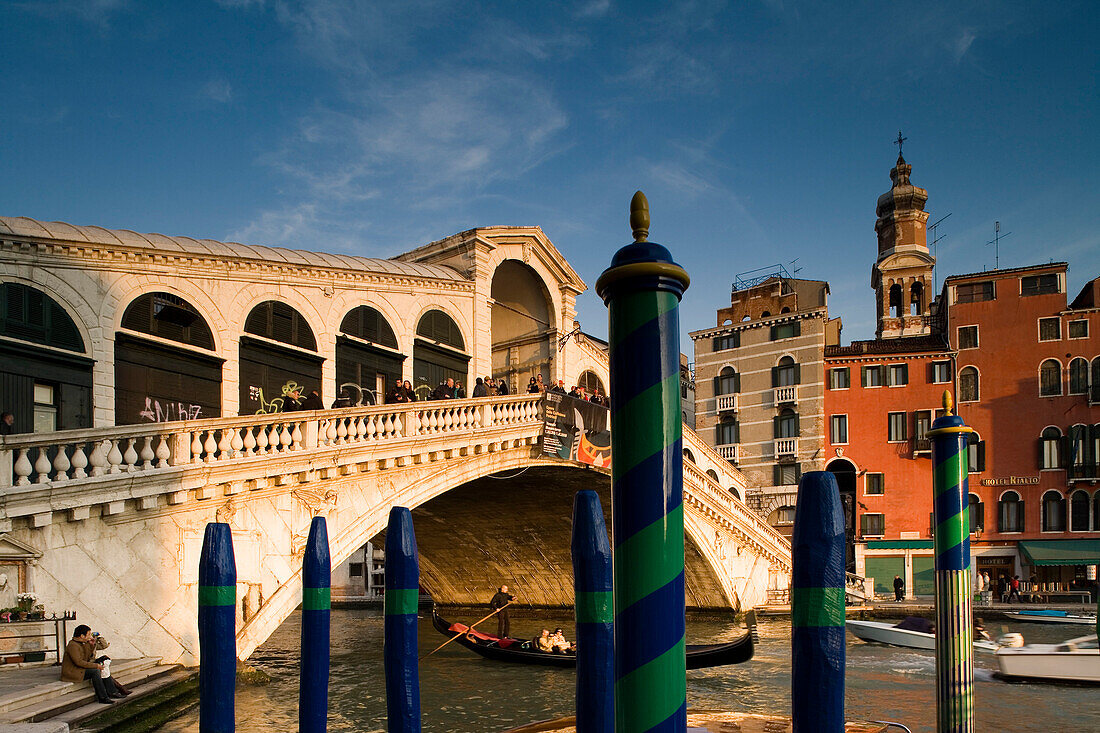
(78, 665)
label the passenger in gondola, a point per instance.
(560, 645)
(543, 642)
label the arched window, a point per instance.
(440, 327)
(737, 494)
(591, 383)
(786, 424)
(766, 314)
(31, 315)
(713, 475)
(728, 382)
(1077, 448)
(1095, 381)
(368, 324)
(168, 317)
(1054, 512)
(975, 453)
(977, 513)
(1078, 376)
(1010, 513)
(786, 373)
(727, 432)
(439, 354)
(783, 516)
(784, 309)
(895, 301)
(280, 322)
(969, 390)
(1051, 443)
(1050, 378)
(1079, 511)
(688, 456)
(916, 299)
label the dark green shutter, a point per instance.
(797, 431)
(737, 382)
(775, 376)
(717, 386)
(775, 427)
(798, 374)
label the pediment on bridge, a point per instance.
(13, 549)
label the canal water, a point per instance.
(461, 692)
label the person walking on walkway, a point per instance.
(501, 601)
(899, 588)
(1014, 589)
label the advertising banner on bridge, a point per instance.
(577, 430)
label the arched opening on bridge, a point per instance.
(522, 330)
(367, 357)
(45, 375)
(845, 473)
(439, 353)
(689, 456)
(159, 382)
(591, 382)
(278, 353)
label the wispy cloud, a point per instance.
(94, 12)
(962, 44)
(593, 9)
(217, 90)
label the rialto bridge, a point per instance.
(107, 520)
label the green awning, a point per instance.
(899, 544)
(1061, 552)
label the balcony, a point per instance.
(1083, 472)
(785, 395)
(786, 447)
(729, 452)
(727, 403)
(921, 445)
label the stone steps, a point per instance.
(50, 700)
(151, 704)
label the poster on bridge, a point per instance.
(577, 430)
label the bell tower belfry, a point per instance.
(902, 274)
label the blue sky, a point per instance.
(760, 131)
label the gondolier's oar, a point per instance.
(468, 629)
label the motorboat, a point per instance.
(1073, 661)
(878, 632)
(1050, 616)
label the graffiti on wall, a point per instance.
(157, 411)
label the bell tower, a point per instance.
(902, 274)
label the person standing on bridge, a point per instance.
(502, 386)
(480, 390)
(499, 603)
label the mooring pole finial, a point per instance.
(639, 216)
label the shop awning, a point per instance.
(1061, 552)
(899, 544)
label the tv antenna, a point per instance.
(935, 240)
(996, 242)
(795, 270)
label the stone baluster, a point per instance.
(196, 447)
(412, 424)
(249, 441)
(61, 464)
(80, 461)
(225, 444)
(296, 436)
(388, 426)
(114, 457)
(261, 439)
(210, 446)
(42, 466)
(397, 429)
(285, 438)
(433, 421)
(273, 438)
(342, 430)
(98, 459)
(448, 419)
(147, 455)
(237, 442)
(22, 468)
(357, 429)
(330, 430)
(164, 451)
(130, 457)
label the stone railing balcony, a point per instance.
(786, 395)
(786, 447)
(729, 452)
(921, 445)
(727, 403)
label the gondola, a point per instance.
(699, 656)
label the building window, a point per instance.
(1039, 284)
(1079, 511)
(897, 375)
(895, 300)
(896, 422)
(916, 299)
(731, 341)
(977, 513)
(1078, 376)
(873, 375)
(728, 432)
(728, 382)
(872, 525)
(1054, 512)
(941, 372)
(1079, 329)
(839, 378)
(786, 474)
(838, 429)
(1010, 513)
(974, 292)
(1077, 445)
(785, 515)
(355, 570)
(1050, 378)
(922, 423)
(1094, 389)
(975, 453)
(968, 337)
(1051, 442)
(45, 408)
(786, 330)
(1050, 329)
(875, 484)
(787, 373)
(786, 424)
(968, 385)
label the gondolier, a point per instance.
(501, 601)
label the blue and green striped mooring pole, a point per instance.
(954, 615)
(817, 606)
(316, 610)
(592, 583)
(642, 289)
(217, 630)
(399, 647)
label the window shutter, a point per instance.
(737, 382)
(796, 430)
(771, 333)
(979, 517)
(798, 374)
(1064, 452)
(775, 427)
(863, 375)
(1041, 454)
(1020, 513)
(863, 524)
(776, 478)
(718, 434)
(981, 456)
(798, 473)
(717, 386)
(798, 328)
(775, 376)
